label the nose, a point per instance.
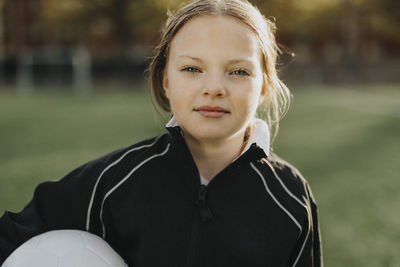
(214, 85)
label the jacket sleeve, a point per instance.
(308, 250)
(311, 250)
(55, 205)
(316, 233)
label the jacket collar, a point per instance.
(259, 136)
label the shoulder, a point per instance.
(151, 145)
(284, 175)
(126, 155)
(285, 169)
(103, 173)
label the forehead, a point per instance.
(215, 36)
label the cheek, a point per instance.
(179, 97)
(246, 103)
(253, 92)
(181, 87)
(253, 103)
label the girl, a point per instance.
(209, 192)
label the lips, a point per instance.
(211, 111)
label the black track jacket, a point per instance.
(147, 202)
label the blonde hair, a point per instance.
(277, 102)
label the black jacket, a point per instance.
(147, 202)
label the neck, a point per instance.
(211, 157)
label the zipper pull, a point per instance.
(205, 212)
(201, 199)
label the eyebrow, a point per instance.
(232, 61)
(240, 60)
(193, 58)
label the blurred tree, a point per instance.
(323, 32)
(348, 25)
(383, 24)
(104, 24)
(65, 21)
(149, 16)
(117, 24)
(21, 27)
(101, 24)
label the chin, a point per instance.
(210, 136)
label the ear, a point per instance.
(165, 83)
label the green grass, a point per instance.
(345, 141)
(45, 136)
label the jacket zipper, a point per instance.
(205, 215)
(205, 212)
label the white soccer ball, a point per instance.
(65, 248)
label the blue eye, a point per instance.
(240, 72)
(191, 69)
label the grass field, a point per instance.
(345, 140)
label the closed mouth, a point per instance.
(211, 109)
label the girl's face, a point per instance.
(213, 78)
